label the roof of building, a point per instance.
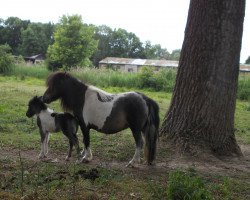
(139, 62)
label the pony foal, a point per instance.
(50, 122)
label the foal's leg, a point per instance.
(139, 143)
(70, 151)
(46, 142)
(73, 140)
(42, 153)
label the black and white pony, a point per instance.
(51, 122)
(107, 113)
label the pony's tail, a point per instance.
(150, 131)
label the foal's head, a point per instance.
(35, 106)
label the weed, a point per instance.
(186, 186)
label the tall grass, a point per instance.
(37, 71)
(163, 80)
(106, 78)
(243, 92)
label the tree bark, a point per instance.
(201, 115)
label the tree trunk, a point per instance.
(201, 115)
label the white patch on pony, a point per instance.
(95, 112)
(47, 122)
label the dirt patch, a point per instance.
(233, 167)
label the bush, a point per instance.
(146, 78)
(186, 186)
(6, 59)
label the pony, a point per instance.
(51, 122)
(106, 113)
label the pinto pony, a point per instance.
(107, 113)
(51, 122)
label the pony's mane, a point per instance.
(76, 86)
(57, 76)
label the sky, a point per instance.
(159, 21)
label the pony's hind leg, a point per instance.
(70, 151)
(139, 143)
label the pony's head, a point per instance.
(55, 86)
(35, 106)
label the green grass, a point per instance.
(43, 180)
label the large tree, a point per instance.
(200, 118)
(74, 43)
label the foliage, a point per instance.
(248, 60)
(74, 43)
(186, 186)
(146, 78)
(10, 32)
(6, 59)
(125, 44)
(28, 38)
(36, 39)
(162, 80)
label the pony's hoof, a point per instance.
(67, 158)
(82, 153)
(132, 165)
(42, 156)
(82, 160)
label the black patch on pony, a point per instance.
(104, 98)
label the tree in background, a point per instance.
(200, 118)
(103, 36)
(74, 43)
(125, 44)
(6, 59)
(248, 60)
(27, 38)
(10, 32)
(175, 55)
(36, 39)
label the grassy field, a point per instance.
(23, 175)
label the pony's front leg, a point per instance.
(86, 153)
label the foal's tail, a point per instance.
(151, 130)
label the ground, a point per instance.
(23, 175)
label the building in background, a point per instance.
(133, 65)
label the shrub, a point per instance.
(146, 77)
(186, 186)
(6, 59)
